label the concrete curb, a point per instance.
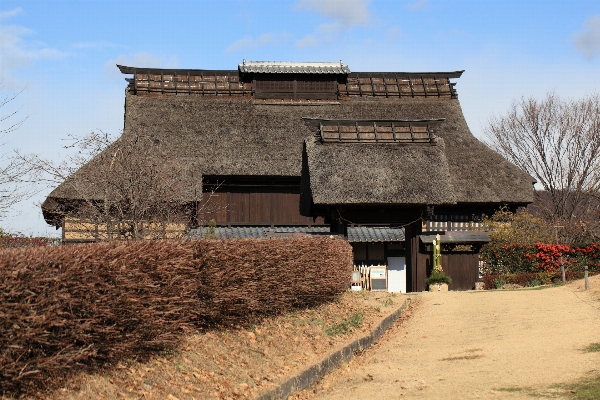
(317, 371)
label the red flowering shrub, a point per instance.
(524, 259)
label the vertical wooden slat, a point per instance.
(386, 88)
(321, 131)
(437, 86)
(359, 85)
(430, 133)
(375, 130)
(229, 82)
(295, 86)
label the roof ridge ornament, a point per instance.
(291, 67)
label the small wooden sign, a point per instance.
(378, 278)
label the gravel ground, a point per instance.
(464, 345)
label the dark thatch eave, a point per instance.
(101, 178)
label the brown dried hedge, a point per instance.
(70, 308)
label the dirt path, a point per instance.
(462, 345)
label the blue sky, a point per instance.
(64, 54)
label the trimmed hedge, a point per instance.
(529, 280)
(81, 307)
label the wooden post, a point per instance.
(562, 270)
(585, 275)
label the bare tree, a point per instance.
(556, 141)
(11, 188)
(129, 188)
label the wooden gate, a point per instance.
(462, 267)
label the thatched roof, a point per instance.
(232, 135)
(370, 173)
(462, 170)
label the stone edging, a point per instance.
(317, 371)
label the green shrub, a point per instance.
(438, 277)
(498, 283)
(354, 321)
(534, 283)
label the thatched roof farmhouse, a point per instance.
(311, 145)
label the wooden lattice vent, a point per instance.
(205, 83)
(397, 85)
(377, 131)
(295, 86)
(451, 223)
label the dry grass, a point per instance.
(238, 363)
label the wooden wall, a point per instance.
(76, 230)
(240, 202)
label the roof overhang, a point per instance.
(412, 75)
(170, 71)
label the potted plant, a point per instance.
(438, 281)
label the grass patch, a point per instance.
(509, 389)
(592, 348)
(472, 357)
(354, 321)
(389, 300)
(585, 389)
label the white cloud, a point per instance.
(418, 5)
(348, 12)
(342, 15)
(393, 33)
(587, 40)
(251, 43)
(307, 41)
(143, 59)
(10, 13)
(17, 52)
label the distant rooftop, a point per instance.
(282, 67)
